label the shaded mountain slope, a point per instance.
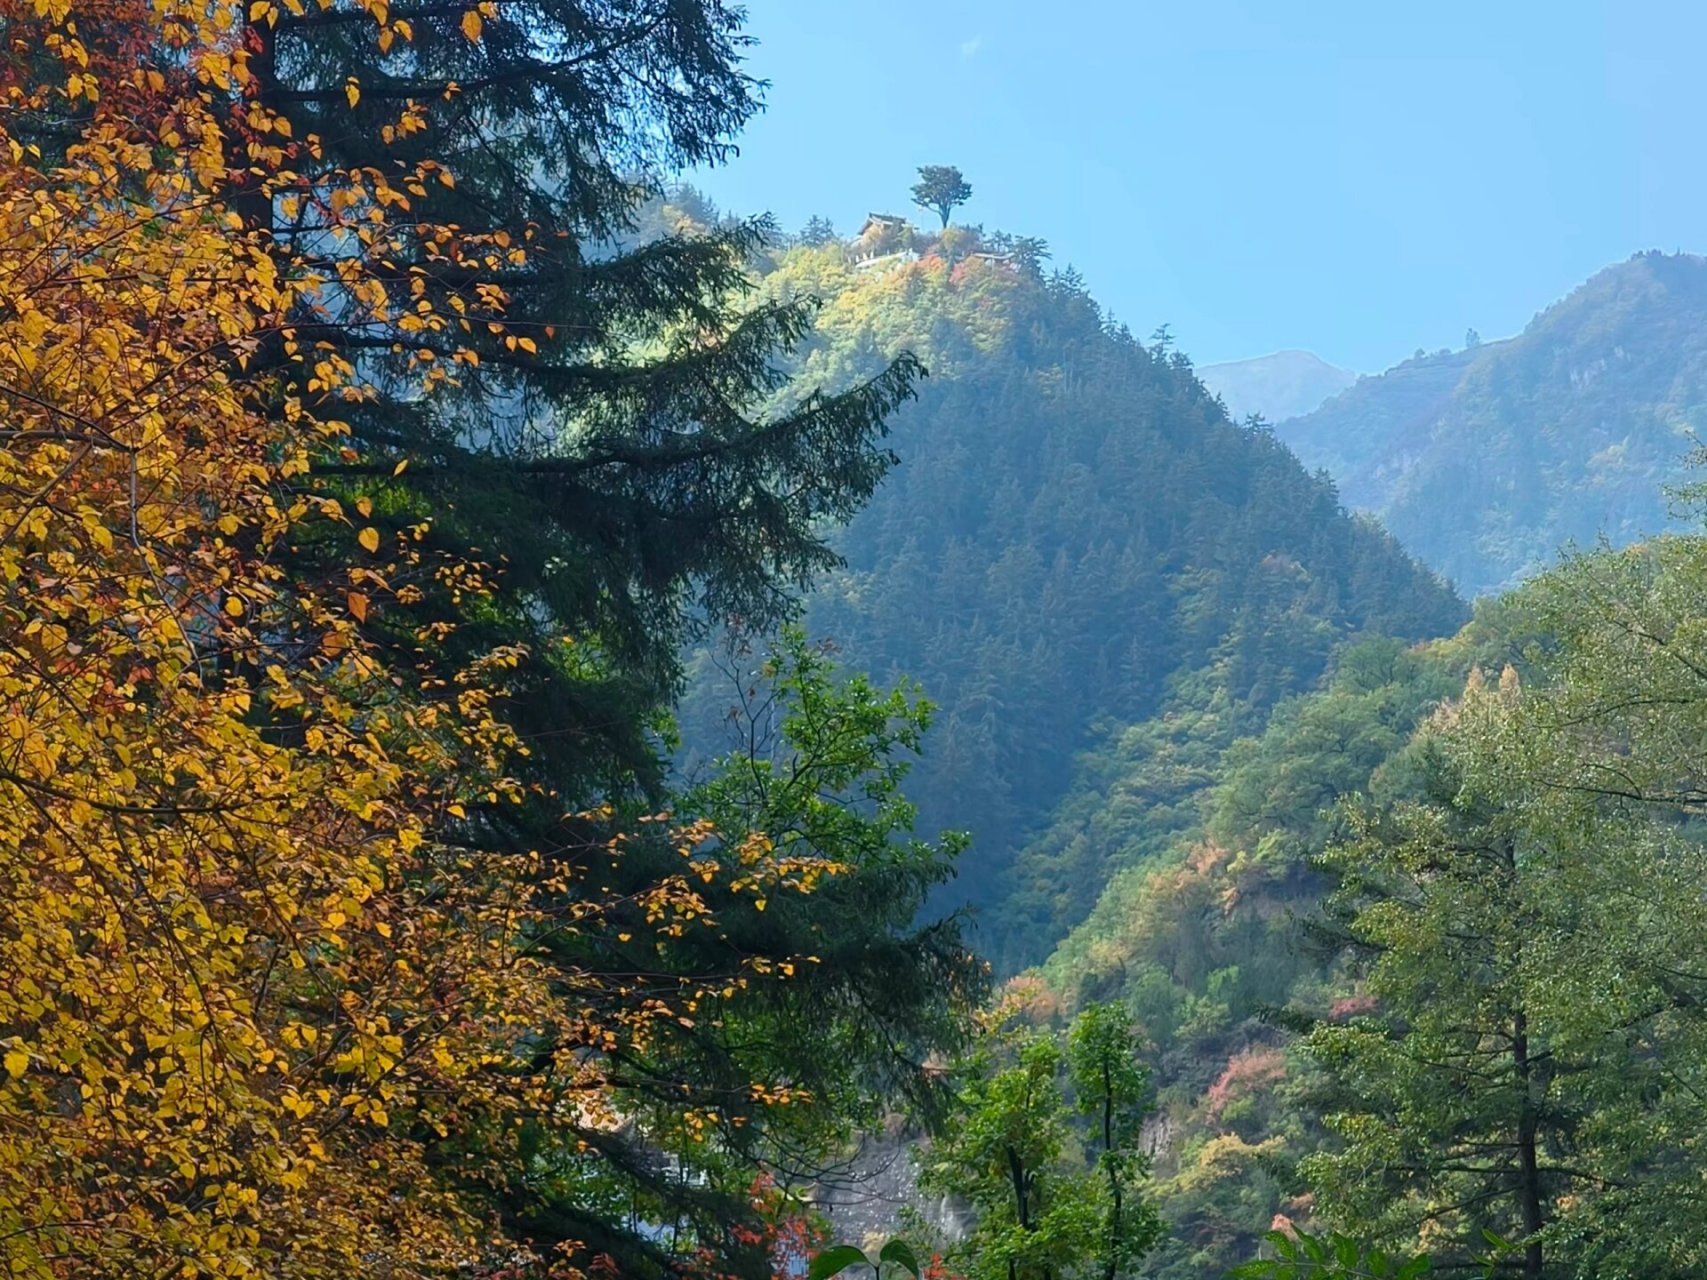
(1075, 529)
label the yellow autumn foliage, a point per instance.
(1223, 1156)
(253, 963)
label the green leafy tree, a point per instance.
(1004, 1157)
(1532, 1069)
(1112, 1089)
(942, 189)
(1044, 1210)
(822, 760)
(870, 993)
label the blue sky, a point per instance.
(1359, 179)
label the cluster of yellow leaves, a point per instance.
(1224, 1156)
(253, 963)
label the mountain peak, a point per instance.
(1485, 462)
(1281, 385)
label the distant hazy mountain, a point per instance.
(1278, 386)
(1484, 462)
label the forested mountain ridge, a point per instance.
(1484, 462)
(1409, 963)
(1199, 722)
(1075, 532)
(1203, 840)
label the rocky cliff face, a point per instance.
(865, 1198)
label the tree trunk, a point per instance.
(1529, 1172)
(1021, 1179)
(1113, 1173)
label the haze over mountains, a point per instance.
(1109, 547)
(1097, 539)
(1484, 462)
(1277, 387)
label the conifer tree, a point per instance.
(942, 189)
(1529, 1079)
(584, 413)
(606, 436)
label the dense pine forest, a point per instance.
(1101, 543)
(553, 732)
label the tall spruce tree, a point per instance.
(593, 434)
(603, 438)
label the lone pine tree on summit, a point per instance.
(941, 188)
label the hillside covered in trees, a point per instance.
(1076, 535)
(1412, 961)
(468, 633)
(1197, 720)
(1484, 462)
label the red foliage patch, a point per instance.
(1248, 1071)
(1351, 1007)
